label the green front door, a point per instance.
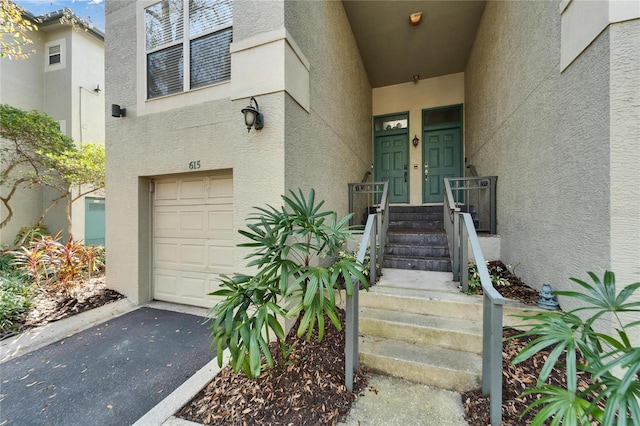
(391, 163)
(441, 158)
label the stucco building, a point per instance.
(544, 95)
(64, 78)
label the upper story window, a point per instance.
(187, 45)
(55, 52)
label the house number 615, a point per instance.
(194, 165)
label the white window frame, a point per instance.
(185, 40)
(63, 55)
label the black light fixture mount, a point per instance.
(252, 115)
(116, 111)
(415, 141)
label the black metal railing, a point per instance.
(477, 196)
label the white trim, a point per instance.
(63, 55)
(582, 21)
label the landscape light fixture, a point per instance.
(116, 111)
(252, 115)
(415, 141)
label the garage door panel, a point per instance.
(193, 188)
(166, 190)
(194, 255)
(193, 237)
(220, 187)
(220, 259)
(167, 254)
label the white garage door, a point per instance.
(192, 236)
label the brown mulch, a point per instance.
(54, 305)
(308, 388)
(515, 380)
(518, 290)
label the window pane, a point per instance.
(440, 116)
(210, 59)
(54, 49)
(165, 70)
(54, 59)
(164, 23)
(206, 15)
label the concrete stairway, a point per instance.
(417, 325)
(416, 239)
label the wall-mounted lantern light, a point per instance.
(116, 111)
(415, 141)
(252, 115)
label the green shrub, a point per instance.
(613, 362)
(286, 243)
(495, 272)
(14, 300)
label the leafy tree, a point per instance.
(35, 152)
(613, 362)
(286, 242)
(14, 31)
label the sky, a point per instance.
(90, 10)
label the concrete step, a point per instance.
(431, 365)
(452, 333)
(424, 302)
(396, 215)
(417, 263)
(434, 293)
(415, 209)
(415, 224)
(416, 237)
(417, 251)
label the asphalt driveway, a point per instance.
(110, 374)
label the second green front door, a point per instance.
(442, 158)
(391, 162)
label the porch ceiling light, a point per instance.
(415, 141)
(415, 18)
(252, 115)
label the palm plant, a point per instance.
(613, 362)
(289, 242)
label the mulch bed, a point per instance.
(518, 290)
(54, 305)
(308, 388)
(515, 380)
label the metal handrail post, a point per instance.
(351, 350)
(455, 256)
(492, 205)
(463, 265)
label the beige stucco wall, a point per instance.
(414, 97)
(319, 135)
(562, 142)
(147, 143)
(330, 145)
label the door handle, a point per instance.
(405, 173)
(426, 170)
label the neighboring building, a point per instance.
(64, 78)
(544, 95)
